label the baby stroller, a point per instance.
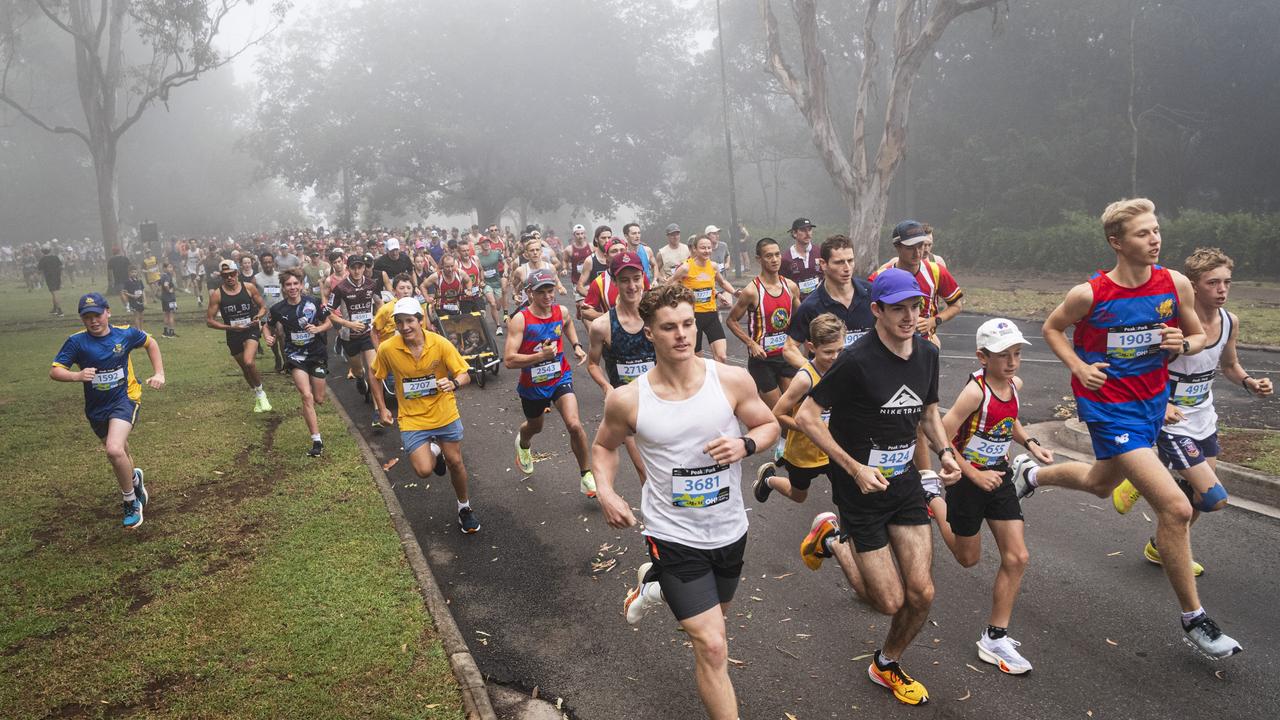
(471, 334)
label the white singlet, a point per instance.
(1191, 386)
(688, 498)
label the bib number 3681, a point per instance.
(699, 487)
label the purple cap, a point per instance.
(539, 278)
(624, 260)
(893, 286)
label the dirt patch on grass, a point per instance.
(153, 694)
(235, 484)
(1256, 449)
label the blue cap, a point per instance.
(909, 232)
(92, 303)
(893, 286)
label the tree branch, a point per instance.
(866, 83)
(24, 112)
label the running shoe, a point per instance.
(498, 331)
(362, 385)
(317, 447)
(932, 485)
(468, 523)
(1203, 634)
(1003, 654)
(261, 404)
(760, 488)
(1125, 496)
(587, 484)
(1021, 470)
(132, 513)
(643, 597)
(813, 549)
(524, 457)
(377, 420)
(1153, 556)
(140, 487)
(904, 688)
(440, 467)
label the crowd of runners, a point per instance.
(841, 380)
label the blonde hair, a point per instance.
(1122, 211)
(826, 328)
(1205, 259)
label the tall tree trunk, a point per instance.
(104, 171)
(866, 218)
(490, 211)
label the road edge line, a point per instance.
(475, 696)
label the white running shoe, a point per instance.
(1021, 471)
(643, 597)
(1003, 654)
(1205, 635)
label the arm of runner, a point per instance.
(512, 358)
(596, 332)
(809, 418)
(380, 371)
(750, 410)
(745, 301)
(619, 422)
(257, 298)
(1234, 371)
(931, 421)
(571, 332)
(1072, 310)
(680, 272)
(1189, 333)
(784, 409)
(590, 307)
(156, 381)
(211, 312)
(968, 401)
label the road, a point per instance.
(1097, 621)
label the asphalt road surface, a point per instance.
(532, 594)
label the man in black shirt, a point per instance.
(51, 267)
(390, 264)
(117, 271)
(878, 392)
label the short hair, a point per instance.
(267, 254)
(292, 273)
(670, 295)
(1122, 211)
(762, 243)
(697, 237)
(826, 328)
(833, 243)
(627, 228)
(402, 277)
(1206, 259)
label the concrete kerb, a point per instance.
(475, 697)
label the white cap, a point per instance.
(407, 306)
(998, 335)
(710, 229)
(579, 228)
(393, 243)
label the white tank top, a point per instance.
(1191, 386)
(688, 498)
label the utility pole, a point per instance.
(735, 241)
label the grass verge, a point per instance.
(263, 584)
(1256, 449)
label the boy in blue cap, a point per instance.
(111, 390)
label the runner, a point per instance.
(1128, 323)
(473, 296)
(603, 291)
(192, 272)
(532, 262)
(535, 347)
(450, 286)
(597, 263)
(50, 266)
(354, 302)
(390, 264)
(269, 284)
(303, 321)
(242, 309)
(803, 460)
(168, 300)
(648, 261)
(1188, 442)
(133, 294)
(800, 264)
(878, 391)
(840, 293)
(577, 253)
(617, 337)
(685, 416)
(911, 239)
(769, 303)
(702, 276)
(982, 423)
(673, 254)
(493, 270)
(384, 321)
(111, 391)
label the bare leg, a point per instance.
(117, 447)
(707, 632)
(1013, 563)
(912, 544)
(1173, 520)
(247, 366)
(529, 428)
(720, 351)
(568, 407)
(967, 550)
(302, 381)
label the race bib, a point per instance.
(892, 461)
(362, 317)
(450, 307)
(631, 371)
(300, 338)
(775, 341)
(240, 322)
(545, 372)
(419, 387)
(699, 487)
(702, 295)
(985, 451)
(852, 336)
(826, 417)
(272, 293)
(808, 285)
(107, 379)
(1192, 391)
(1137, 341)
(491, 273)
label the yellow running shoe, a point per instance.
(524, 457)
(811, 548)
(1153, 556)
(904, 688)
(588, 484)
(1125, 496)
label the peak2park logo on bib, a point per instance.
(904, 401)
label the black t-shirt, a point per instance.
(876, 399)
(358, 303)
(296, 341)
(391, 267)
(118, 266)
(51, 267)
(168, 293)
(134, 288)
(212, 271)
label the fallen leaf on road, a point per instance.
(1118, 552)
(790, 716)
(1144, 517)
(757, 599)
(784, 652)
(736, 663)
(481, 632)
(864, 657)
(1089, 713)
(779, 577)
(1218, 674)
(934, 623)
(1112, 642)
(974, 669)
(967, 695)
(390, 463)
(218, 472)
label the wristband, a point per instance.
(1244, 383)
(947, 449)
(1033, 440)
(749, 445)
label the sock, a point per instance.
(435, 449)
(259, 391)
(315, 438)
(129, 496)
(826, 544)
(1189, 617)
(582, 473)
(883, 661)
(1031, 476)
(463, 504)
(767, 482)
(995, 633)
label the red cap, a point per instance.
(625, 259)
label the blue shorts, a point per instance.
(414, 439)
(126, 410)
(1116, 437)
(1179, 452)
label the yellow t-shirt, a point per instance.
(701, 279)
(384, 322)
(800, 450)
(422, 406)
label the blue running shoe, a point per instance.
(140, 487)
(468, 523)
(132, 514)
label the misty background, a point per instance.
(1025, 121)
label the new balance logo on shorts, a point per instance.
(1122, 439)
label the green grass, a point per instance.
(263, 584)
(1257, 449)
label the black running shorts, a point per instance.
(693, 580)
(708, 324)
(867, 522)
(236, 340)
(316, 367)
(768, 372)
(968, 505)
(355, 345)
(802, 477)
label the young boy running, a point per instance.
(803, 460)
(168, 299)
(1188, 442)
(302, 320)
(111, 391)
(134, 296)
